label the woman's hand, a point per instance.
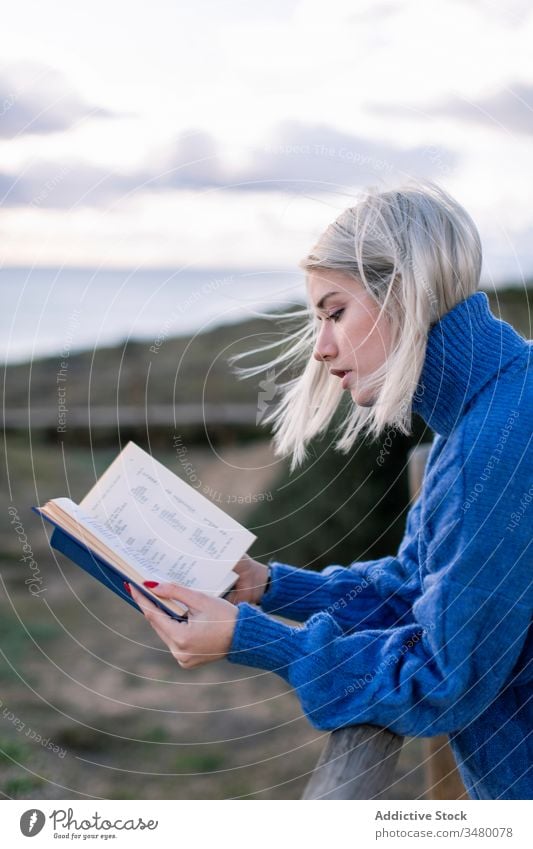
(252, 581)
(207, 634)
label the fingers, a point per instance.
(172, 633)
(164, 625)
(194, 599)
(144, 603)
(152, 612)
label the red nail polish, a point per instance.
(127, 587)
(151, 584)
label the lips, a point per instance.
(343, 374)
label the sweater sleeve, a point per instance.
(366, 594)
(438, 672)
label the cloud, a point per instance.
(47, 185)
(319, 158)
(193, 161)
(514, 13)
(299, 159)
(37, 99)
(510, 108)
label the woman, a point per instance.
(437, 638)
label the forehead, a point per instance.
(322, 281)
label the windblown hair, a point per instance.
(418, 253)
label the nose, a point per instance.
(325, 347)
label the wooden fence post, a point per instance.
(357, 763)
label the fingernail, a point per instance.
(127, 587)
(151, 584)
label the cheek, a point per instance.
(381, 338)
(369, 341)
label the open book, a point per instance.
(140, 522)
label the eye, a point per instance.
(334, 315)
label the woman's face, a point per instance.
(353, 338)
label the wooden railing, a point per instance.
(154, 415)
(359, 762)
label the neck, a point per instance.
(465, 350)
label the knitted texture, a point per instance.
(438, 638)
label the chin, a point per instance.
(363, 401)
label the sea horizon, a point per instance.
(47, 310)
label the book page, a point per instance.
(69, 516)
(87, 529)
(177, 532)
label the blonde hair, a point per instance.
(418, 253)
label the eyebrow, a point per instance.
(322, 300)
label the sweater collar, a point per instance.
(465, 349)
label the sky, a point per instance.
(229, 134)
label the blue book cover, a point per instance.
(108, 575)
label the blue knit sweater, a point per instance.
(438, 638)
